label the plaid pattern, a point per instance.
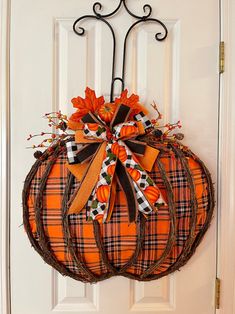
(119, 236)
(51, 213)
(72, 150)
(182, 196)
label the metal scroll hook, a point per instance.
(97, 8)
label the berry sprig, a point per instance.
(164, 131)
(58, 122)
(155, 122)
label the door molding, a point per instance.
(5, 304)
(226, 180)
(226, 183)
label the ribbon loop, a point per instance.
(95, 131)
(120, 115)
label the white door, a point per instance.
(49, 66)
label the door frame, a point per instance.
(226, 164)
(5, 302)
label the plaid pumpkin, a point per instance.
(150, 248)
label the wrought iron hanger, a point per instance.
(97, 8)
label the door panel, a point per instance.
(49, 66)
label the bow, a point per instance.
(103, 155)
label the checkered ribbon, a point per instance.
(72, 150)
(119, 163)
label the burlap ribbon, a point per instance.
(103, 155)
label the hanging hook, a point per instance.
(158, 37)
(97, 7)
(82, 32)
(112, 86)
(100, 6)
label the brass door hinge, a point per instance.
(217, 293)
(221, 57)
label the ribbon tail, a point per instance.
(103, 200)
(88, 205)
(108, 213)
(126, 183)
(88, 182)
(151, 194)
(145, 154)
(144, 205)
(78, 170)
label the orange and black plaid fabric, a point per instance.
(118, 235)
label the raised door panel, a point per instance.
(69, 295)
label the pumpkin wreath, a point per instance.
(115, 193)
